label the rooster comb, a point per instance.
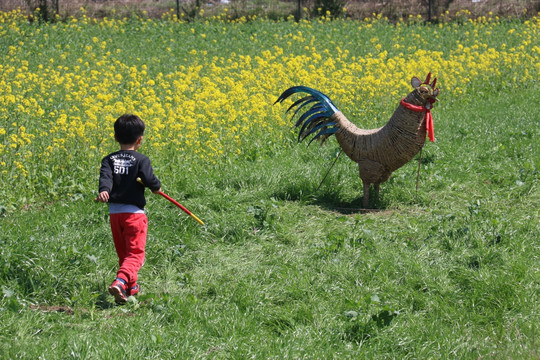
(428, 77)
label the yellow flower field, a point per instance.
(206, 89)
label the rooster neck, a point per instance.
(405, 119)
(414, 98)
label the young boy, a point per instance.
(119, 187)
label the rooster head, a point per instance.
(426, 91)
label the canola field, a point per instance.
(281, 269)
(206, 89)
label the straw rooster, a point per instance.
(378, 152)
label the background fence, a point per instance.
(275, 9)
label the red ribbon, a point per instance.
(429, 119)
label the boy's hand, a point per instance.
(102, 197)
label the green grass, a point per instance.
(283, 270)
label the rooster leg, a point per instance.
(365, 199)
(372, 172)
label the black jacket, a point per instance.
(119, 173)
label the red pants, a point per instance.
(129, 236)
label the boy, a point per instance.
(119, 187)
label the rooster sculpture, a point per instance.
(378, 152)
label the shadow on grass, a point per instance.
(103, 303)
(330, 199)
(358, 331)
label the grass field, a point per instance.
(281, 269)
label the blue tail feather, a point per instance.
(312, 121)
(318, 127)
(317, 118)
(327, 131)
(305, 103)
(315, 109)
(307, 99)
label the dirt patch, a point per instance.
(357, 211)
(53, 309)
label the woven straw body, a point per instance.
(379, 152)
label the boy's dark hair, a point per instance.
(128, 128)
